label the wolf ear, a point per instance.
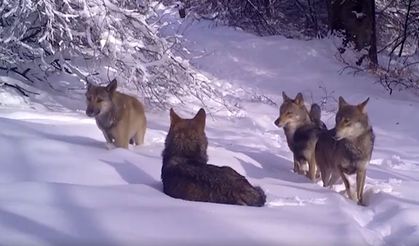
(200, 118)
(342, 102)
(174, 118)
(362, 106)
(112, 86)
(299, 99)
(285, 97)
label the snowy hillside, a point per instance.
(59, 185)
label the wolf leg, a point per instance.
(122, 142)
(346, 182)
(296, 166)
(109, 140)
(360, 182)
(333, 179)
(121, 137)
(321, 163)
(108, 136)
(311, 174)
(325, 175)
(139, 136)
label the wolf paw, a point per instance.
(299, 171)
(110, 146)
(361, 203)
(353, 197)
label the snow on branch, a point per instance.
(99, 40)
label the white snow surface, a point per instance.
(60, 185)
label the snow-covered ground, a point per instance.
(59, 185)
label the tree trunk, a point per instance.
(356, 18)
(372, 52)
(406, 25)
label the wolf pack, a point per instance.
(318, 152)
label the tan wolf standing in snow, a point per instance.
(120, 117)
(346, 149)
(301, 129)
(187, 175)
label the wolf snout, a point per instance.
(335, 135)
(277, 123)
(91, 112)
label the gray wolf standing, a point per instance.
(301, 129)
(186, 174)
(120, 117)
(346, 149)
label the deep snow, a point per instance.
(59, 185)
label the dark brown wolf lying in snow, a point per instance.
(186, 174)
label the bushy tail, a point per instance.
(315, 116)
(209, 183)
(254, 197)
(315, 112)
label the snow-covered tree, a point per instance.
(393, 34)
(398, 42)
(97, 40)
(296, 18)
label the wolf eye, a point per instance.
(99, 100)
(345, 121)
(288, 113)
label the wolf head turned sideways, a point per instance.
(186, 137)
(292, 111)
(351, 120)
(99, 98)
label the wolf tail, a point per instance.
(315, 112)
(255, 196)
(315, 116)
(209, 183)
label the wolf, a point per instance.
(120, 117)
(347, 148)
(301, 129)
(186, 175)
